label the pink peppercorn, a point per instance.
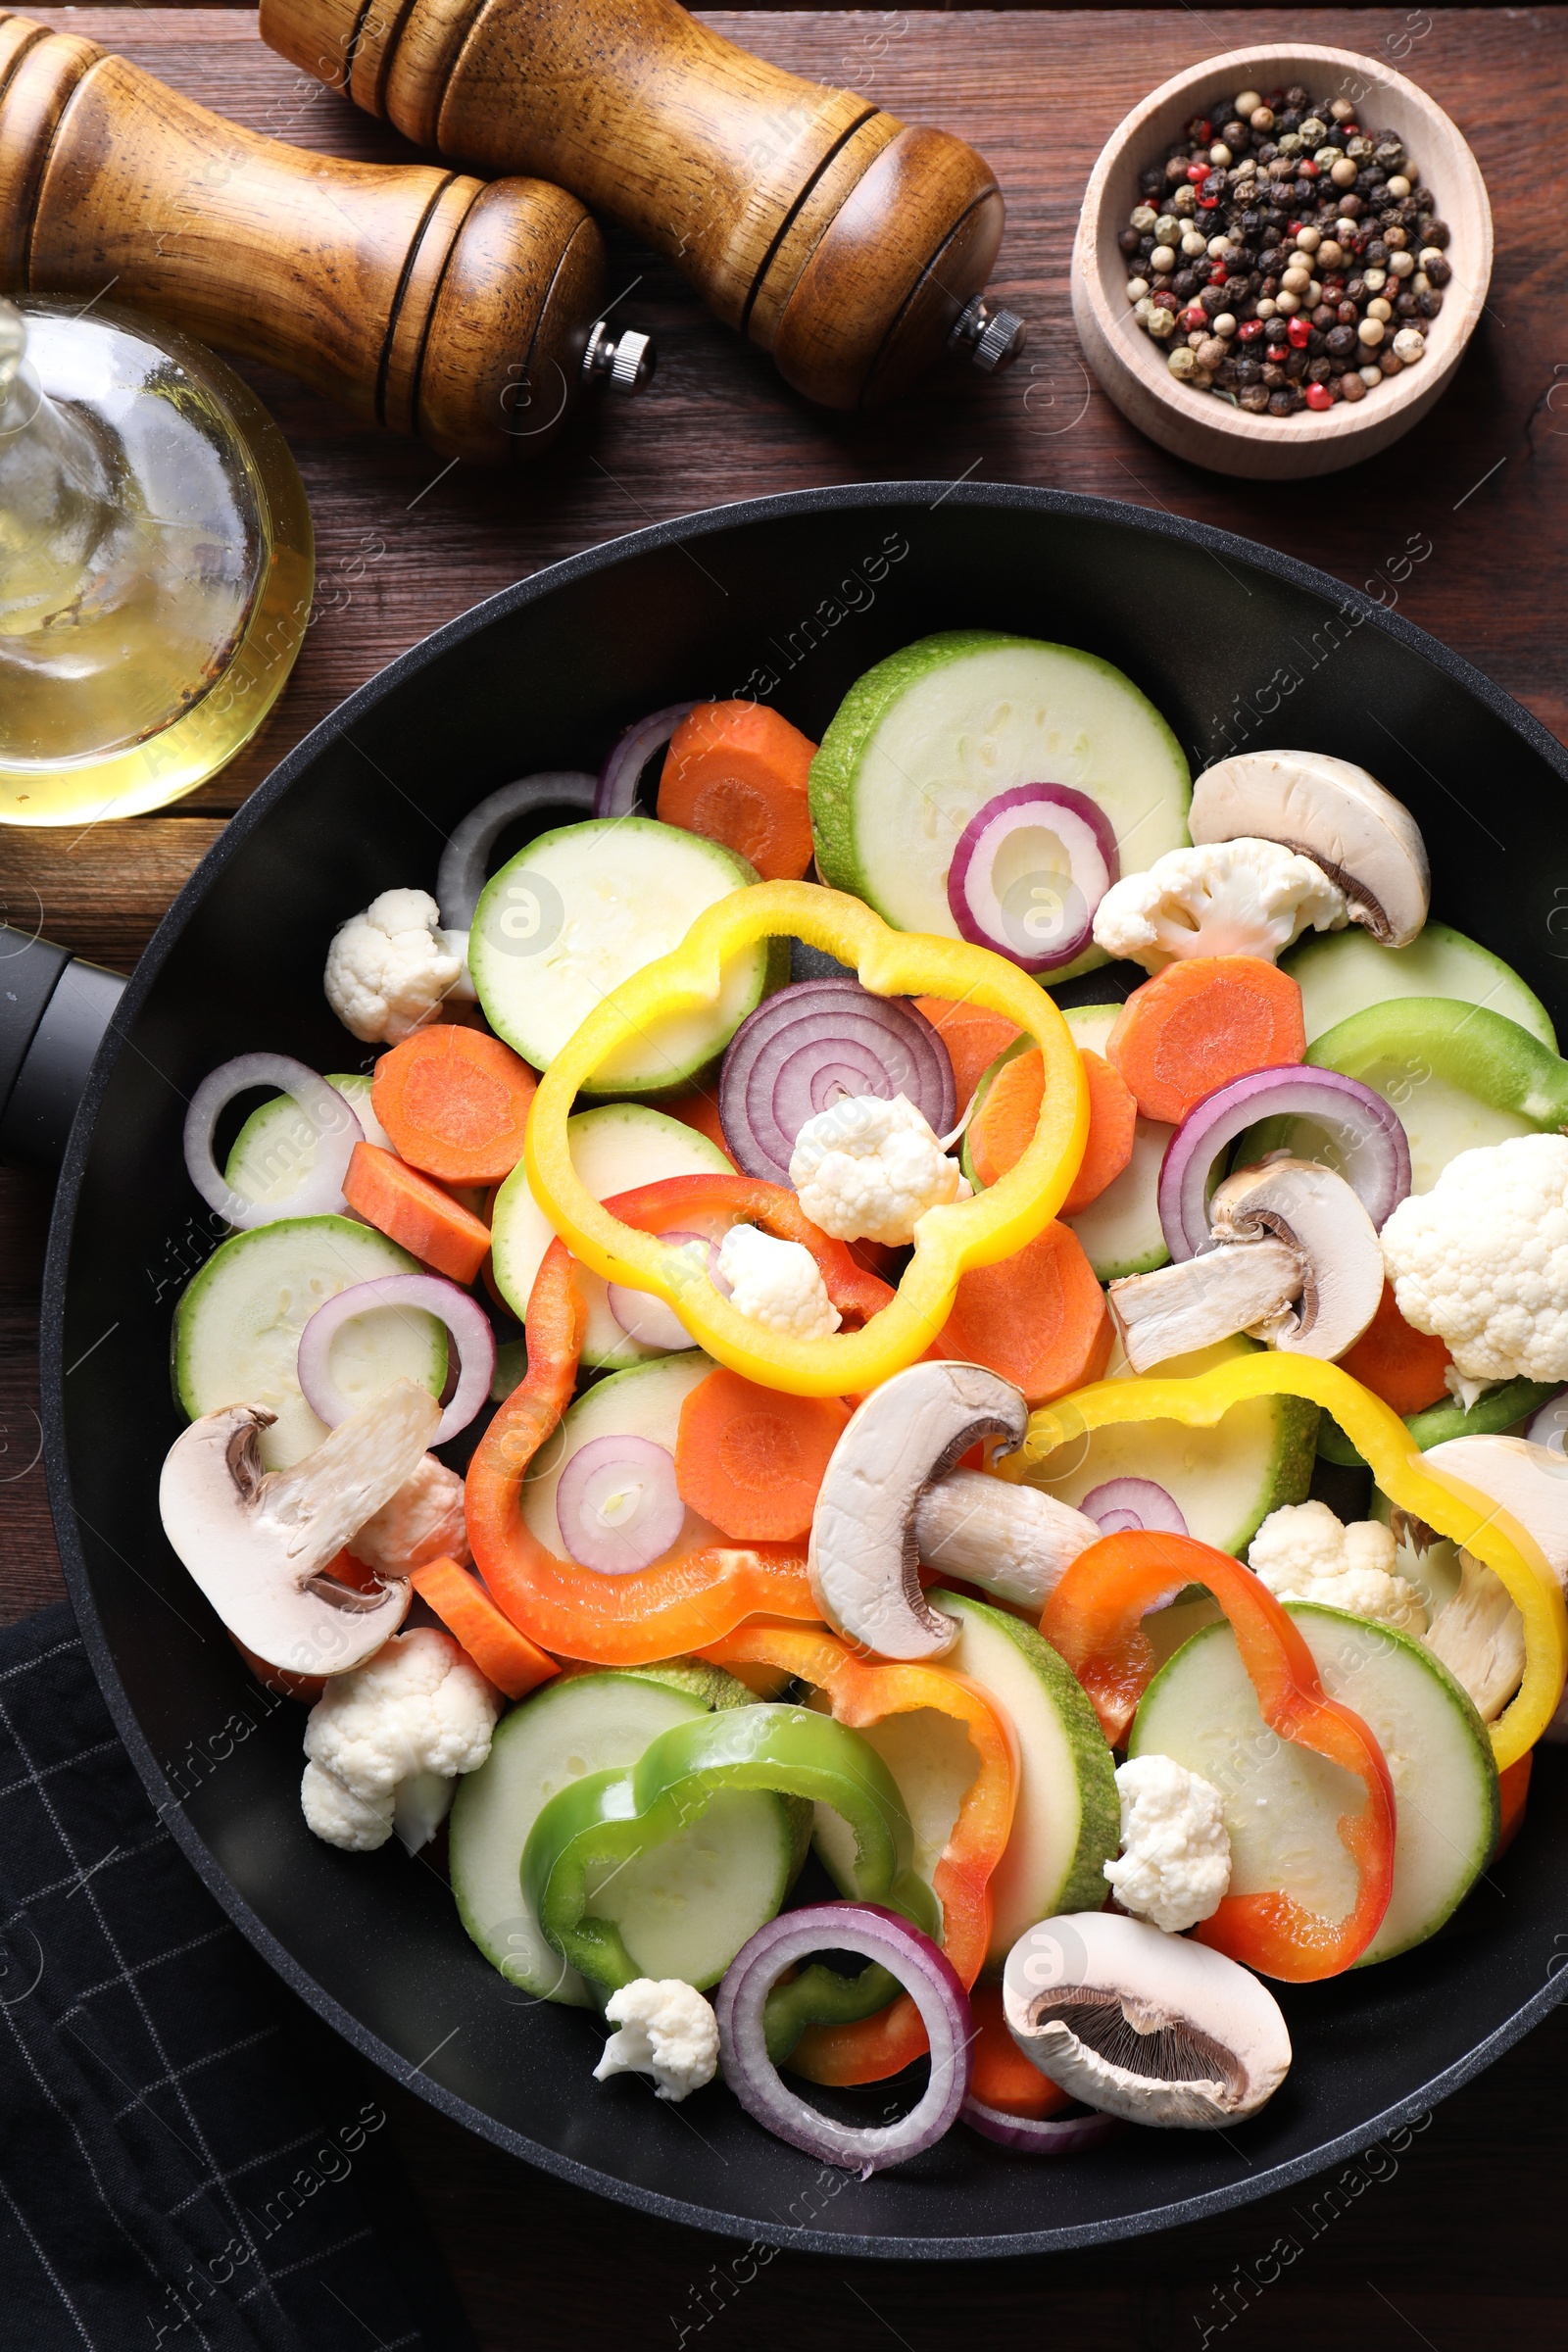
(1318, 395)
(1299, 331)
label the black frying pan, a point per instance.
(1240, 649)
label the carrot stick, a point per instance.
(415, 1214)
(1039, 1318)
(751, 1459)
(1200, 1022)
(1403, 1366)
(503, 1655)
(1000, 2074)
(973, 1039)
(1004, 1126)
(737, 773)
(454, 1103)
(701, 1111)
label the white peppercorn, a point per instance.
(1163, 256)
(1247, 103)
(1185, 200)
(1375, 280)
(1182, 363)
(1266, 305)
(1262, 118)
(1409, 345)
(1420, 283)
(1225, 326)
(1162, 324)
(1166, 229)
(1330, 254)
(1430, 254)
(1143, 218)
(1313, 295)
(1308, 239)
(1370, 375)
(1220, 155)
(1193, 243)
(1379, 309)
(1210, 353)
(1371, 333)
(1343, 174)
(1138, 293)
(1398, 187)
(1287, 302)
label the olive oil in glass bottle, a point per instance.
(156, 563)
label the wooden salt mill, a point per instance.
(852, 246)
(424, 300)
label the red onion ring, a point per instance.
(813, 1042)
(461, 876)
(337, 1131)
(1040, 2135)
(925, 1975)
(651, 1526)
(988, 918)
(615, 794)
(463, 1317)
(1374, 1147)
(1132, 1502)
(647, 1319)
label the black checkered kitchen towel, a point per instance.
(188, 2160)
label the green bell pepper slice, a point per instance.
(612, 1818)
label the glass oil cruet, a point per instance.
(156, 563)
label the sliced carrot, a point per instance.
(1001, 1128)
(973, 1038)
(751, 1459)
(454, 1103)
(737, 773)
(1039, 1318)
(415, 1214)
(701, 1111)
(503, 1655)
(1000, 2074)
(1403, 1366)
(1200, 1022)
(1513, 1786)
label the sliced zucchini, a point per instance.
(685, 1908)
(1068, 1822)
(643, 1402)
(930, 1756)
(238, 1322)
(585, 1723)
(1342, 973)
(924, 740)
(579, 911)
(614, 1148)
(275, 1150)
(1121, 1232)
(1283, 1803)
(1225, 1480)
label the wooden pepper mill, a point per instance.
(416, 297)
(852, 247)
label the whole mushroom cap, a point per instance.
(1334, 812)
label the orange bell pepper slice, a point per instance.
(1095, 1619)
(874, 2047)
(672, 1606)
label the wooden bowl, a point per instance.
(1132, 369)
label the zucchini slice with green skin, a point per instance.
(1282, 1802)
(643, 1402)
(1068, 1819)
(1342, 972)
(237, 1327)
(275, 1149)
(1458, 1075)
(614, 1148)
(1225, 1480)
(924, 740)
(582, 908)
(582, 1724)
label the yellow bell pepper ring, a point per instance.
(948, 1240)
(1401, 1471)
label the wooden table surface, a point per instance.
(1456, 2239)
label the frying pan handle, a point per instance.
(54, 1010)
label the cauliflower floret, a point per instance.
(776, 1283)
(419, 1706)
(868, 1170)
(390, 969)
(666, 2029)
(1226, 897)
(1175, 1864)
(423, 1521)
(1482, 1260)
(1304, 1553)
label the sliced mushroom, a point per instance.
(1323, 1220)
(257, 1541)
(1333, 812)
(865, 1553)
(1204, 1298)
(1480, 1636)
(1143, 2024)
(1011, 1540)
(1531, 1482)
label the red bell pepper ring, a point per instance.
(1095, 1619)
(674, 1604)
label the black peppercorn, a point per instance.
(1256, 400)
(1247, 371)
(1274, 378)
(1351, 206)
(1325, 317)
(1431, 304)
(1340, 340)
(1282, 404)
(1296, 364)
(1129, 240)
(1211, 300)
(1355, 289)
(1405, 306)
(1176, 168)
(1275, 331)
(1319, 371)
(1185, 283)
(1440, 273)
(1376, 254)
